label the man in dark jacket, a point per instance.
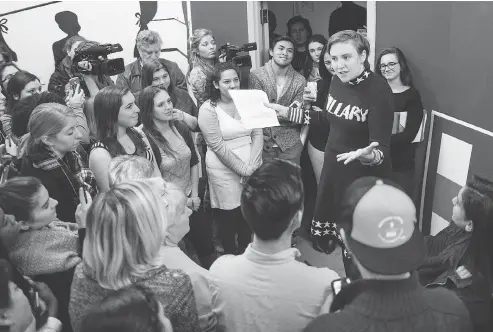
(149, 46)
(378, 227)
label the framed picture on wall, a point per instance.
(302, 7)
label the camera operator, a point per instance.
(92, 83)
(149, 45)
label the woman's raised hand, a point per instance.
(365, 154)
(76, 98)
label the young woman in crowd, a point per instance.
(201, 60)
(40, 242)
(173, 253)
(130, 309)
(43, 247)
(52, 153)
(392, 65)
(21, 85)
(318, 134)
(233, 153)
(155, 73)
(300, 30)
(7, 70)
(359, 111)
(116, 116)
(460, 257)
(176, 156)
(125, 232)
(311, 70)
(17, 314)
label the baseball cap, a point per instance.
(384, 236)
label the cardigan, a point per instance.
(288, 134)
(173, 289)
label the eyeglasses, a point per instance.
(390, 65)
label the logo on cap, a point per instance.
(391, 230)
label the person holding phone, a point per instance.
(36, 311)
(52, 153)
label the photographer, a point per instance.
(92, 83)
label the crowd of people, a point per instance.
(148, 205)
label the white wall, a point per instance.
(319, 18)
(31, 33)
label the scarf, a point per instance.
(70, 166)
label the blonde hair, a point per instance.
(46, 120)
(146, 38)
(194, 58)
(125, 230)
(128, 167)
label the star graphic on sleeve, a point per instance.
(326, 232)
(317, 233)
(318, 224)
(307, 119)
(366, 74)
(327, 225)
(333, 232)
(359, 80)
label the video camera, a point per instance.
(97, 56)
(232, 51)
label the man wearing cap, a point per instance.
(378, 227)
(266, 288)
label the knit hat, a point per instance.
(384, 237)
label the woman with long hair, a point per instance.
(116, 116)
(460, 257)
(21, 85)
(201, 60)
(233, 153)
(177, 160)
(51, 152)
(156, 73)
(359, 112)
(392, 65)
(126, 228)
(311, 70)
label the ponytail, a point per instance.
(17, 196)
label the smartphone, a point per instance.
(72, 85)
(339, 284)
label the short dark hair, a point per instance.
(405, 74)
(271, 198)
(299, 19)
(274, 42)
(2, 68)
(133, 308)
(23, 109)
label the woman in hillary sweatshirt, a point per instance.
(359, 110)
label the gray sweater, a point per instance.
(288, 134)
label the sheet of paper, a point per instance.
(250, 106)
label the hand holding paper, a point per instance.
(251, 107)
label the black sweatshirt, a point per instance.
(358, 113)
(402, 150)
